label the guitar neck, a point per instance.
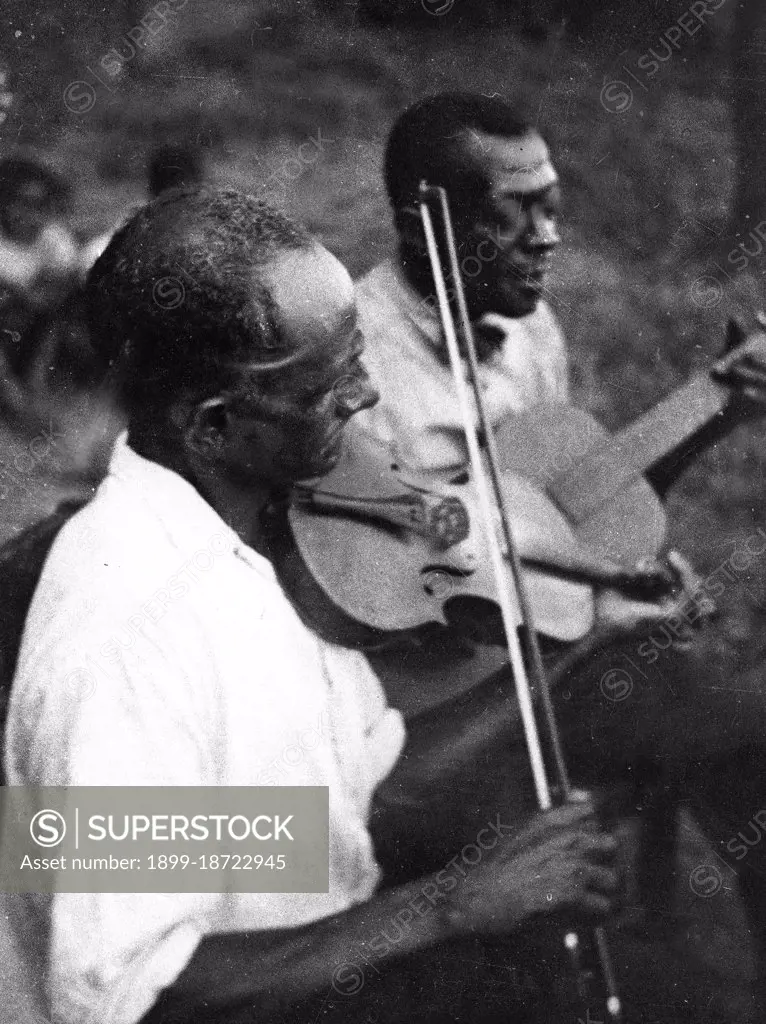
(634, 450)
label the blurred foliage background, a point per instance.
(641, 285)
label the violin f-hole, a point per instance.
(439, 580)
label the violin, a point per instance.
(377, 551)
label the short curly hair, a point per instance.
(175, 302)
(428, 141)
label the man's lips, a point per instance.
(529, 277)
(533, 284)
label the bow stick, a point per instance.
(514, 605)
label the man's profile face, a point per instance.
(505, 251)
(291, 428)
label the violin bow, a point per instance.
(525, 658)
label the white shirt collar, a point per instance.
(389, 278)
(189, 520)
(391, 281)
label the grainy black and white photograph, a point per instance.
(382, 511)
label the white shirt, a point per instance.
(418, 415)
(160, 650)
(54, 250)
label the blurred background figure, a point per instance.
(50, 398)
(173, 167)
(39, 271)
(53, 379)
(168, 167)
(58, 421)
(38, 253)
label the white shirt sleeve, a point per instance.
(134, 720)
(385, 732)
(370, 735)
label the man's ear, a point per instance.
(206, 425)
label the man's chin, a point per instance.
(319, 466)
(514, 302)
(521, 302)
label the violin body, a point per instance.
(379, 551)
(363, 571)
(384, 579)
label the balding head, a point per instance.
(178, 298)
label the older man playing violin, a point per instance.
(230, 398)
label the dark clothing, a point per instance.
(641, 739)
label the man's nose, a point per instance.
(543, 230)
(355, 392)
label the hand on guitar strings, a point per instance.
(685, 610)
